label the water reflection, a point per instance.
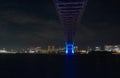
(70, 67)
(59, 66)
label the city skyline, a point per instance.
(33, 22)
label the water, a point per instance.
(59, 66)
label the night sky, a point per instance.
(35, 22)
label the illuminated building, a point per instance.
(76, 48)
(113, 48)
(3, 51)
(83, 51)
(108, 48)
(97, 48)
(70, 12)
(51, 48)
(37, 49)
(31, 51)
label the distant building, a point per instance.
(97, 48)
(83, 52)
(76, 48)
(116, 48)
(108, 48)
(89, 49)
(3, 51)
(113, 48)
(51, 48)
(37, 49)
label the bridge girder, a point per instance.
(70, 12)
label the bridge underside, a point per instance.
(70, 12)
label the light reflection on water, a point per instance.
(70, 66)
(59, 66)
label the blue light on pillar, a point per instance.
(69, 48)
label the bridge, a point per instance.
(70, 12)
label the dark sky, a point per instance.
(35, 22)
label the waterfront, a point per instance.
(59, 66)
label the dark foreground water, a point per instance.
(59, 66)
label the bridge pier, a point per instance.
(70, 12)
